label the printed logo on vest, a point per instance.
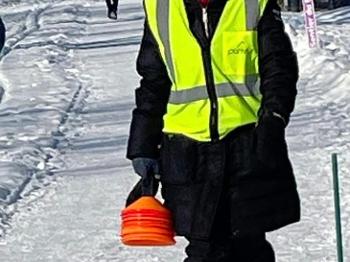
(241, 49)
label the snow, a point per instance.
(68, 75)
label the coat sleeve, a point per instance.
(277, 64)
(2, 34)
(151, 100)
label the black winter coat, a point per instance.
(197, 175)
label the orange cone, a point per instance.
(146, 222)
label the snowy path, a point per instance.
(69, 75)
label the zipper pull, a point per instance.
(205, 21)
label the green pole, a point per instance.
(337, 207)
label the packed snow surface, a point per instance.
(68, 76)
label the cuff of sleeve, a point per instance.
(273, 113)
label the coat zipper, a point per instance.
(214, 133)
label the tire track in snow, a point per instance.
(24, 189)
(31, 25)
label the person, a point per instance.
(112, 9)
(2, 34)
(217, 89)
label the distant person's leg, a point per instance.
(109, 4)
(115, 4)
(112, 6)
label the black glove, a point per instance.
(146, 167)
(270, 144)
(112, 6)
(148, 170)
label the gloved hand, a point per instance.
(148, 170)
(270, 144)
(146, 167)
(112, 6)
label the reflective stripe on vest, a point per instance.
(234, 62)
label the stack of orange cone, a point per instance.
(146, 222)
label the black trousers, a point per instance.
(224, 246)
(244, 249)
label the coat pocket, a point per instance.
(178, 160)
(270, 150)
(242, 154)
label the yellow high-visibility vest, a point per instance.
(206, 106)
